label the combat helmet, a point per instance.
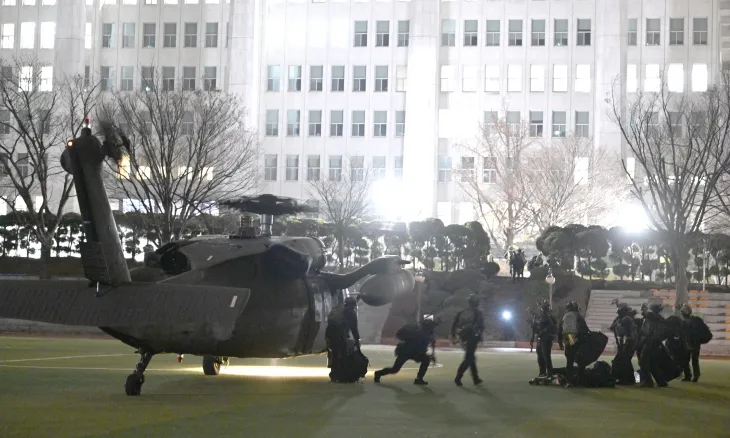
(656, 307)
(473, 300)
(350, 302)
(544, 305)
(572, 306)
(685, 310)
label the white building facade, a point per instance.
(394, 86)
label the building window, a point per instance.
(653, 32)
(698, 120)
(536, 124)
(448, 33)
(107, 79)
(272, 123)
(270, 167)
(188, 78)
(315, 123)
(335, 168)
(447, 78)
(675, 124)
(515, 32)
(444, 169)
(361, 34)
(209, 78)
(381, 78)
(558, 123)
(191, 35)
(211, 34)
(582, 124)
(514, 124)
(273, 78)
(583, 78)
(699, 77)
(652, 80)
(168, 78)
(7, 40)
(379, 167)
(675, 78)
(560, 77)
(676, 32)
(471, 33)
(338, 78)
(469, 78)
(400, 123)
(401, 76)
(336, 123)
(357, 168)
(493, 33)
(4, 129)
(295, 78)
(148, 79)
(149, 31)
(170, 39)
(560, 36)
(87, 75)
(27, 35)
(699, 31)
(316, 77)
(26, 78)
(358, 123)
(398, 167)
(292, 123)
(359, 78)
(382, 35)
(127, 83)
(46, 80)
(404, 30)
(128, 34)
(491, 79)
(633, 33)
(631, 80)
(23, 164)
(467, 169)
(584, 32)
(489, 170)
(538, 32)
(380, 123)
(292, 168)
(514, 78)
(188, 123)
(48, 34)
(313, 167)
(537, 78)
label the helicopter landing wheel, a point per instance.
(212, 365)
(133, 385)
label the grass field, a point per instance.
(47, 390)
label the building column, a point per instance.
(420, 143)
(68, 56)
(611, 40)
(244, 55)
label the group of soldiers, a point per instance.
(651, 337)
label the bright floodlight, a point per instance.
(388, 198)
(507, 315)
(633, 218)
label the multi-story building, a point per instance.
(396, 86)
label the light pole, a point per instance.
(550, 280)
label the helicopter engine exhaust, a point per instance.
(381, 289)
(267, 222)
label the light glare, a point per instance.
(507, 315)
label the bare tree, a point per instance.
(571, 181)
(344, 198)
(680, 146)
(189, 149)
(496, 182)
(38, 115)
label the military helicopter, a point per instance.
(250, 295)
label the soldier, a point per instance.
(545, 327)
(341, 322)
(625, 333)
(571, 330)
(653, 332)
(414, 346)
(694, 332)
(468, 327)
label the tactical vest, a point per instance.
(466, 321)
(570, 323)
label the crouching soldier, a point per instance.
(415, 340)
(571, 329)
(341, 322)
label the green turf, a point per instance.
(178, 401)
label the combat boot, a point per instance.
(420, 381)
(378, 375)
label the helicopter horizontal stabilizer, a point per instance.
(130, 304)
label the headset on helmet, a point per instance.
(685, 309)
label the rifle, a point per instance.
(532, 326)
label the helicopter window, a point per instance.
(283, 262)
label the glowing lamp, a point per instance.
(507, 315)
(69, 143)
(550, 279)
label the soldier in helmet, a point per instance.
(545, 327)
(467, 329)
(625, 333)
(693, 331)
(571, 330)
(414, 346)
(653, 333)
(341, 322)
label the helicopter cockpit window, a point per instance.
(284, 262)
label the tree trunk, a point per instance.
(340, 249)
(45, 261)
(682, 294)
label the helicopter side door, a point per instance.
(320, 306)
